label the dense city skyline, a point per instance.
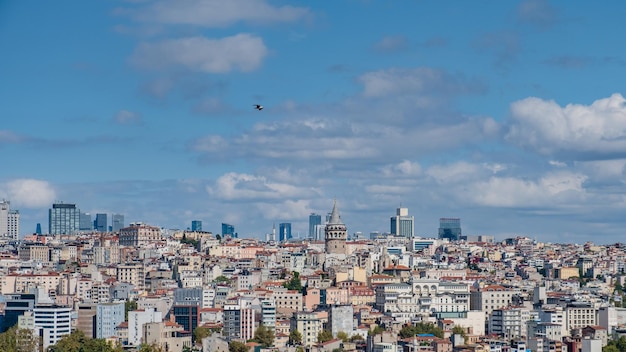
(509, 116)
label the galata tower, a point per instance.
(335, 233)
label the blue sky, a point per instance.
(507, 114)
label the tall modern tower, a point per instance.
(336, 233)
(228, 229)
(117, 220)
(63, 219)
(314, 220)
(402, 224)
(196, 225)
(100, 224)
(9, 221)
(450, 228)
(284, 232)
(85, 223)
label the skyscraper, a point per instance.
(335, 233)
(100, 224)
(9, 221)
(284, 231)
(402, 224)
(450, 228)
(85, 223)
(314, 220)
(117, 220)
(63, 219)
(196, 225)
(228, 229)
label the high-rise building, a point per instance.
(108, 316)
(63, 219)
(9, 221)
(314, 221)
(335, 233)
(284, 231)
(55, 322)
(228, 229)
(118, 222)
(38, 229)
(85, 223)
(402, 224)
(450, 228)
(196, 225)
(100, 224)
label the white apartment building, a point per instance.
(509, 322)
(55, 322)
(9, 221)
(136, 320)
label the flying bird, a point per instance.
(258, 107)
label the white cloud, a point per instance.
(599, 128)
(455, 172)
(127, 117)
(424, 85)
(239, 186)
(552, 190)
(218, 13)
(29, 193)
(287, 210)
(403, 168)
(241, 52)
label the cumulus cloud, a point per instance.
(124, 117)
(29, 193)
(557, 188)
(217, 13)
(241, 52)
(391, 44)
(592, 130)
(239, 186)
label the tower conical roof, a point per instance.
(334, 216)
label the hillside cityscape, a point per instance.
(138, 287)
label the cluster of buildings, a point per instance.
(140, 284)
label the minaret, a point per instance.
(335, 233)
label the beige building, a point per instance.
(308, 325)
(164, 335)
(34, 251)
(137, 235)
(491, 297)
(21, 283)
(287, 301)
(132, 273)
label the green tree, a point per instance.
(610, 348)
(295, 337)
(144, 347)
(222, 278)
(200, 333)
(324, 336)
(264, 336)
(18, 340)
(129, 306)
(78, 342)
(460, 331)
(237, 346)
(294, 283)
(375, 330)
(420, 328)
(343, 336)
(356, 338)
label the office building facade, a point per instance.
(450, 228)
(85, 223)
(54, 321)
(228, 229)
(284, 231)
(196, 225)
(315, 220)
(101, 223)
(63, 219)
(117, 222)
(402, 224)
